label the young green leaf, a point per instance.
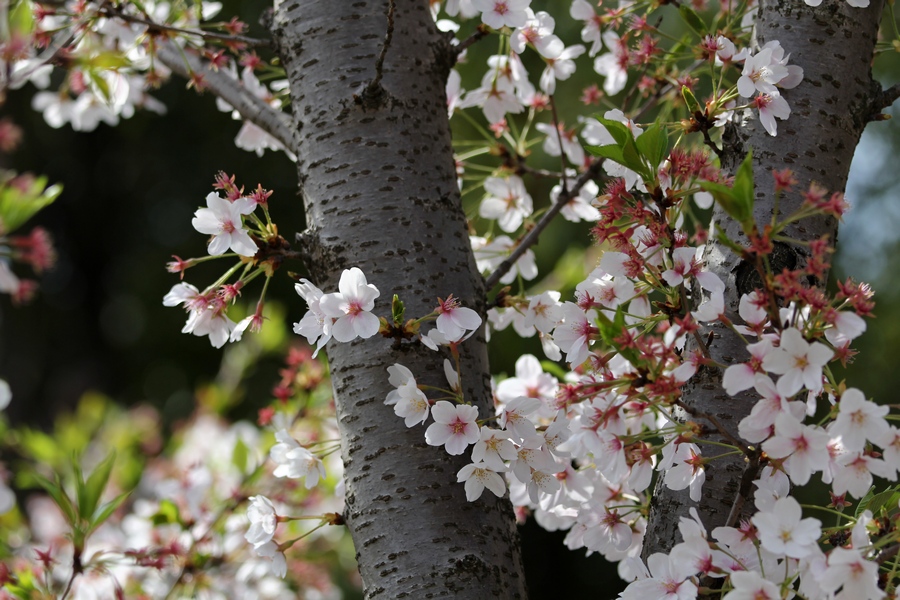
(692, 19)
(653, 145)
(94, 486)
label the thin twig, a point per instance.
(251, 108)
(562, 154)
(750, 473)
(655, 98)
(522, 168)
(207, 35)
(388, 36)
(531, 237)
(480, 33)
(715, 423)
(887, 554)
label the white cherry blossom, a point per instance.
(454, 427)
(223, 220)
(351, 306)
(478, 476)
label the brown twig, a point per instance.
(206, 35)
(479, 34)
(530, 238)
(388, 36)
(251, 108)
(562, 154)
(715, 423)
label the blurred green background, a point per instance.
(130, 192)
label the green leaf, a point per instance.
(886, 499)
(619, 131)
(94, 486)
(240, 455)
(693, 20)
(613, 153)
(18, 205)
(628, 154)
(21, 19)
(725, 196)
(743, 187)
(690, 100)
(864, 501)
(653, 145)
(107, 510)
(57, 493)
(41, 447)
(610, 329)
(724, 239)
(397, 310)
(167, 514)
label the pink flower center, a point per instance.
(458, 426)
(353, 308)
(227, 226)
(501, 8)
(762, 101)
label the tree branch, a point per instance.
(253, 109)
(480, 33)
(206, 35)
(888, 96)
(531, 237)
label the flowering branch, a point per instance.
(250, 107)
(531, 237)
(154, 27)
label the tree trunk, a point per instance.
(378, 182)
(834, 45)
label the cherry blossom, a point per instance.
(493, 449)
(410, 403)
(5, 394)
(612, 64)
(478, 476)
(859, 420)
(489, 255)
(668, 580)
(351, 307)
(849, 576)
(804, 447)
(749, 585)
(274, 556)
(294, 461)
(798, 362)
(686, 471)
(580, 207)
(769, 107)
(560, 68)
(263, 519)
(454, 427)
(740, 377)
(223, 220)
(503, 13)
(315, 325)
(537, 31)
(581, 10)
(514, 416)
(760, 74)
(573, 335)
(783, 532)
(454, 320)
(508, 202)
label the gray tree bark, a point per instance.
(378, 182)
(834, 44)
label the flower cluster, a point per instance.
(233, 225)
